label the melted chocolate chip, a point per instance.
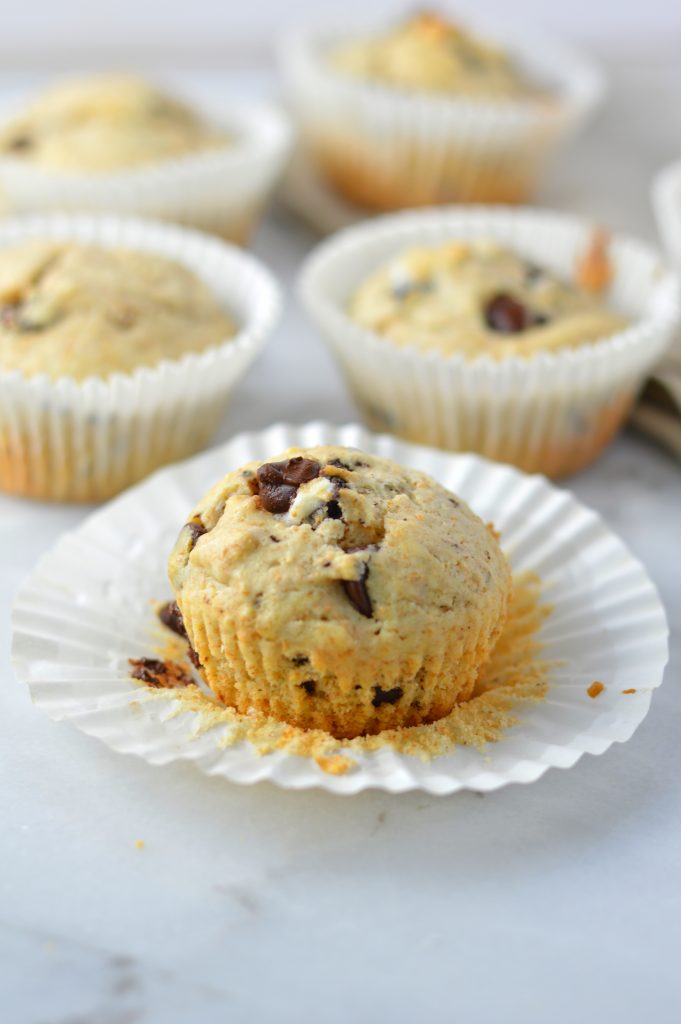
(310, 687)
(278, 482)
(193, 657)
(507, 315)
(333, 510)
(20, 143)
(382, 696)
(171, 616)
(196, 529)
(159, 674)
(357, 593)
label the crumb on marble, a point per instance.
(595, 689)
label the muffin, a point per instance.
(526, 339)
(481, 298)
(120, 343)
(336, 590)
(430, 53)
(428, 112)
(78, 311)
(106, 123)
(115, 142)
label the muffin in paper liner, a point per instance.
(86, 440)
(384, 148)
(222, 191)
(553, 412)
(87, 608)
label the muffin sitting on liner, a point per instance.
(78, 311)
(479, 298)
(336, 590)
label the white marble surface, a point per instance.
(558, 902)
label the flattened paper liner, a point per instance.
(86, 609)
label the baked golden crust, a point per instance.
(72, 310)
(364, 597)
(479, 298)
(429, 53)
(106, 123)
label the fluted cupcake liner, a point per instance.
(222, 191)
(86, 440)
(387, 148)
(87, 608)
(552, 412)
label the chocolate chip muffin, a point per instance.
(479, 298)
(106, 123)
(336, 590)
(429, 53)
(78, 311)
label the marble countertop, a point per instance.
(554, 902)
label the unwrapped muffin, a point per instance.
(337, 590)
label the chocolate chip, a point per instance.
(300, 659)
(278, 482)
(171, 616)
(196, 529)
(382, 696)
(339, 464)
(310, 687)
(275, 540)
(356, 592)
(193, 657)
(20, 143)
(159, 674)
(507, 315)
(333, 510)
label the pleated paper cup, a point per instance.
(88, 607)
(85, 440)
(666, 197)
(385, 148)
(553, 412)
(222, 191)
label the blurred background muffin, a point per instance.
(428, 112)
(115, 143)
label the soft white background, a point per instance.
(550, 904)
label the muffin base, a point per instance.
(245, 672)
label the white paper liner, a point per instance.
(222, 191)
(553, 412)
(85, 440)
(85, 610)
(388, 149)
(666, 199)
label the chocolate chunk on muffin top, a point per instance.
(430, 53)
(105, 123)
(72, 310)
(481, 298)
(337, 590)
